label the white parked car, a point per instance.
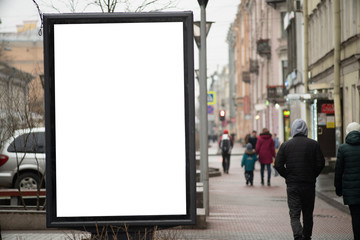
(22, 159)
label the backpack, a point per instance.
(225, 144)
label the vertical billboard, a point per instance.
(119, 105)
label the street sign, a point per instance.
(211, 98)
(210, 109)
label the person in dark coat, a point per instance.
(226, 152)
(347, 174)
(300, 161)
(253, 139)
(265, 148)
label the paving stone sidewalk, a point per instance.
(238, 211)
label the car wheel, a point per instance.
(27, 181)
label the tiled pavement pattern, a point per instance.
(239, 212)
(260, 212)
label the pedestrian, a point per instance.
(276, 145)
(266, 151)
(248, 160)
(347, 174)
(253, 138)
(226, 143)
(276, 142)
(246, 139)
(300, 162)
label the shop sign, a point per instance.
(327, 108)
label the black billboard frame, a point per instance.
(81, 222)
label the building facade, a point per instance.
(321, 53)
(24, 51)
(311, 68)
(260, 56)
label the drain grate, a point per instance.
(324, 216)
(278, 199)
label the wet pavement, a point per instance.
(238, 211)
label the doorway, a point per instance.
(326, 127)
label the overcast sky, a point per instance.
(222, 12)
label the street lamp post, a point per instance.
(197, 30)
(204, 171)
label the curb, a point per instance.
(333, 202)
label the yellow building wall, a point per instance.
(242, 64)
(28, 57)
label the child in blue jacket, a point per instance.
(248, 160)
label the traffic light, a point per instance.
(286, 113)
(222, 115)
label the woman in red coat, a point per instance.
(265, 148)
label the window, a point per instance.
(329, 27)
(354, 15)
(284, 64)
(321, 30)
(331, 24)
(283, 30)
(29, 143)
(347, 20)
(353, 102)
(325, 29)
(292, 45)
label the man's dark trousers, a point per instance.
(226, 162)
(355, 218)
(301, 199)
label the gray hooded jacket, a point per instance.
(299, 127)
(300, 159)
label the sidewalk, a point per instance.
(326, 191)
(240, 212)
(324, 187)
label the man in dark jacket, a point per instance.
(253, 139)
(300, 162)
(347, 174)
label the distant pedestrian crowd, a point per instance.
(300, 161)
(260, 148)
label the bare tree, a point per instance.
(3, 47)
(134, 6)
(16, 112)
(60, 5)
(110, 6)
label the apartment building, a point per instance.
(23, 50)
(260, 57)
(321, 45)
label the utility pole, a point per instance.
(306, 28)
(204, 165)
(337, 103)
(306, 64)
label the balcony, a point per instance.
(246, 77)
(263, 48)
(276, 93)
(274, 3)
(254, 66)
